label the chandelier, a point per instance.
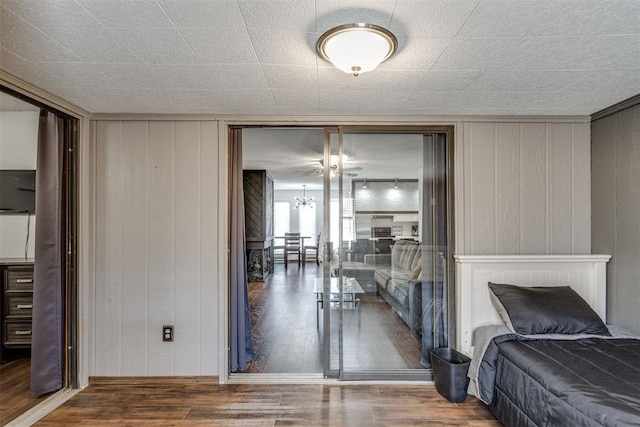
(304, 202)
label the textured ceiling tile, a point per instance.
(505, 18)
(156, 45)
(330, 78)
(245, 100)
(127, 14)
(474, 100)
(385, 103)
(469, 53)
(287, 15)
(357, 101)
(91, 44)
(564, 100)
(280, 47)
(110, 101)
(525, 80)
(296, 101)
(447, 80)
(301, 77)
(589, 17)
(181, 76)
(108, 76)
(61, 13)
(458, 111)
(416, 54)
(29, 43)
(624, 79)
(75, 74)
(203, 13)
(567, 56)
(331, 13)
(238, 76)
(436, 18)
(209, 101)
(222, 46)
(18, 66)
(586, 53)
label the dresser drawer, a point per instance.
(19, 278)
(18, 304)
(17, 333)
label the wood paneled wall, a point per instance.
(155, 247)
(525, 190)
(616, 211)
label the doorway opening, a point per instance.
(38, 284)
(377, 298)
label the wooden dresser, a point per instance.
(16, 308)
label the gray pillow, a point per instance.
(545, 310)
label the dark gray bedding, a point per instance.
(585, 382)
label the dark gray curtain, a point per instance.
(48, 286)
(241, 338)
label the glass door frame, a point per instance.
(391, 374)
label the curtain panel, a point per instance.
(47, 354)
(240, 336)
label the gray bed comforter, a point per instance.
(541, 382)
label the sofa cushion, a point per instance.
(403, 254)
(382, 277)
(398, 277)
(401, 293)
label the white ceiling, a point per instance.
(456, 57)
(292, 156)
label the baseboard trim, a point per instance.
(153, 380)
(44, 408)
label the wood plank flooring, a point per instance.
(15, 394)
(202, 402)
(287, 338)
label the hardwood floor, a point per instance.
(15, 394)
(202, 402)
(287, 338)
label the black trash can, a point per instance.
(450, 370)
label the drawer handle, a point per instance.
(23, 332)
(24, 280)
(24, 306)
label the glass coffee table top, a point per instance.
(350, 286)
(350, 289)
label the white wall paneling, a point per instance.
(156, 247)
(161, 216)
(525, 188)
(616, 210)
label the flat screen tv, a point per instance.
(17, 191)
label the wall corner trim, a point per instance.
(616, 108)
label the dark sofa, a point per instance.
(398, 277)
(404, 279)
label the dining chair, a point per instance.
(292, 246)
(314, 249)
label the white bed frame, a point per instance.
(586, 274)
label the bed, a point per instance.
(541, 353)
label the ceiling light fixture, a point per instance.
(395, 185)
(364, 183)
(357, 48)
(304, 202)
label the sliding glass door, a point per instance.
(386, 272)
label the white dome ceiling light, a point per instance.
(357, 48)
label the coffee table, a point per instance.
(350, 290)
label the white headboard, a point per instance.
(586, 274)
